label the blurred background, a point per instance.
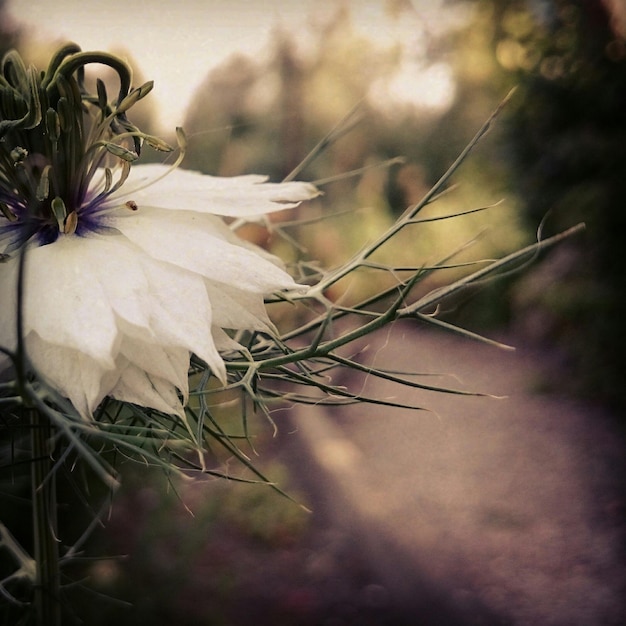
(256, 86)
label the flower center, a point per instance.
(63, 149)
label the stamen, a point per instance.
(71, 222)
(43, 188)
(59, 170)
(60, 212)
(8, 213)
(119, 151)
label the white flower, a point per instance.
(118, 310)
(128, 269)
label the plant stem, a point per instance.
(46, 550)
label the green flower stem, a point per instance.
(46, 551)
(408, 217)
(399, 310)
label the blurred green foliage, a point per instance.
(557, 155)
(266, 115)
(566, 137)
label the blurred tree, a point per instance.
(10, 32)
(559, 152)
(305, 87)
(566, 145)
(266, 115)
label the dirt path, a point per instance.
(485, 511)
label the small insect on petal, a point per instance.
(132, 205)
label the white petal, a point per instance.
(72, 373)
(123, 279)
(170, 364)
(224, 342)
(181, 311)
(159, 302)
(237, 309)
(195, 242)
(238, 196)
(65, 302)
(136, 386)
